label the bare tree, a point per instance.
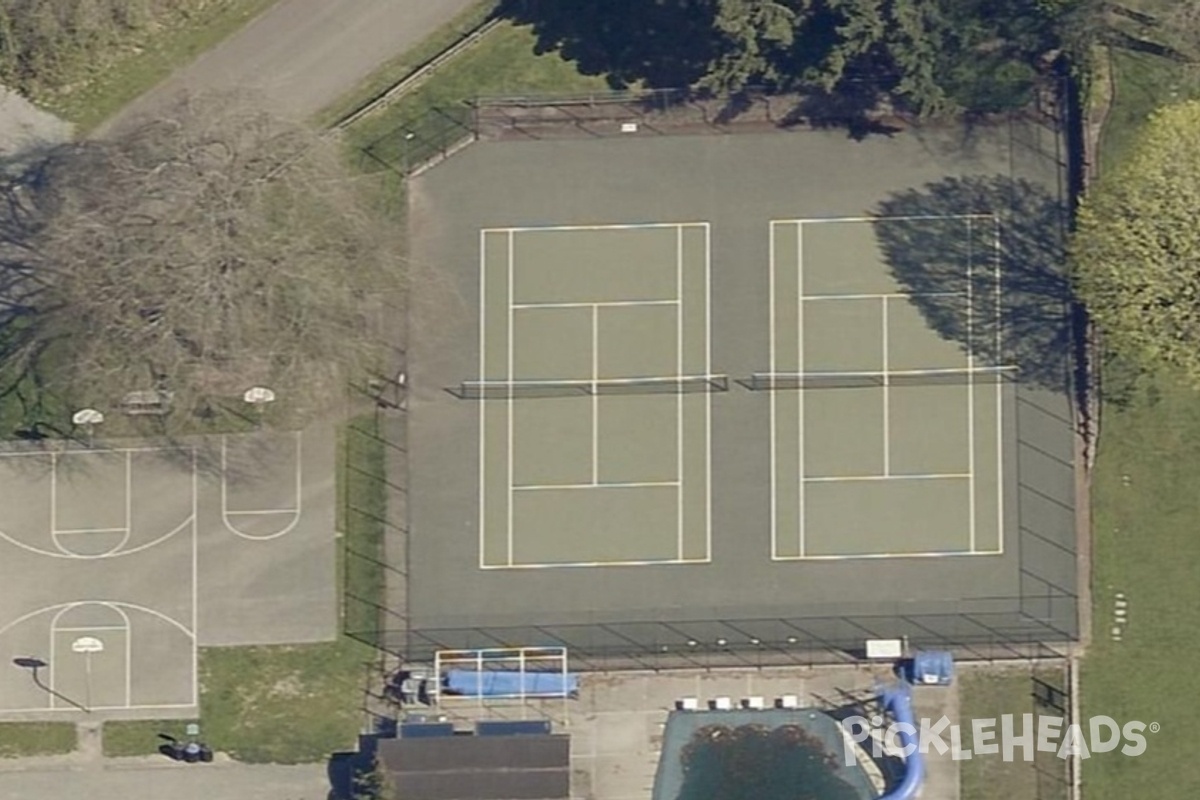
(208, 250)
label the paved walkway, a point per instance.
(304, 54)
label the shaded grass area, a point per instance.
(19, 739)
(1145, 507)
(147, 59)
(363, 512)
(406, 63)
(989, 694)
(505, 61)
(294, 704)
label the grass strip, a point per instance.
(21, 739)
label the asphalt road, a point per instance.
(304, 54)
(120, 779)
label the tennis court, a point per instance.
(595, 395)
(874, 418)
(703, 393)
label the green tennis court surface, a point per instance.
(594, 476)
(853, 467)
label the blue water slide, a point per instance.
(898, 700)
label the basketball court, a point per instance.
(119, 562)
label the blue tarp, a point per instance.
(506, 683)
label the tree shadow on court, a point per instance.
(662, 44)
(1013, 305)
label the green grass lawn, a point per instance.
(291, 704)
(143, 62)
(18, 739)
(988, 694)
(1146, 509)
(503, 62)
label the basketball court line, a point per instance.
(70, 531)
(118, 607)
(801, 298)
(126, 531)
(117, 551)
(595, 306)
(128, 652)
(295, 512)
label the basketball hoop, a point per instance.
(259, 397)
(87, 418)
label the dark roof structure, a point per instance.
(478, 767)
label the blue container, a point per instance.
(932, 668)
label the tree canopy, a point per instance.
(1136, 249)
(209, 250)
(930, 55)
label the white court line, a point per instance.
(96, 452)
(708, 396)
(611, 227)
(195, 587)
(86, 628)
(511, 268)
(772, 445)
(54, 503)
(128, 501)
(898, 218)
(999, 389)
(858, 557)
(679, 399)
(482, 406)
(800, 500)
(970, 390)
(70, 531)
(68, 709)
(812, 298)
(537, 487)
(887, 392)
(577, 564)
(226, 514)
(601, 304)
(54, 630)
(914, 477)
(595, 394)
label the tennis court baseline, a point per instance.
(595, 395)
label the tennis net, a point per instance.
(509, 390)
(770, 381)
